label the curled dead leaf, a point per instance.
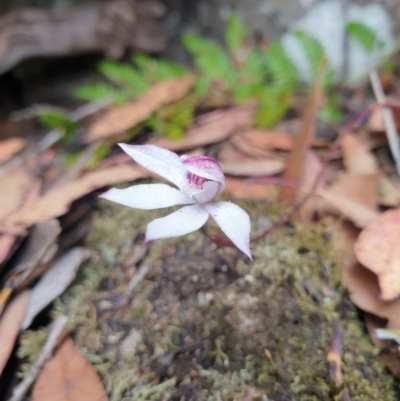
(269, 139)
(57, 201)
(377, 248)
(54, 282)
(253, 168)
(362, 284)
(357, 157)
(17, 185)
(356, 212)
(361, 188)
(240, 188)
(214, 127)
(41, 239)
(10, 324)
(120, 119)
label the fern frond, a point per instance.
(157, 69)
(254, 66)
(364, 35)
(246, 91)
(122, 74)
(283, 73)
(97, 91)
(235, 34)
(272, 108)
(313, 49)
(173, 119)
(211, 59)
(183, 113)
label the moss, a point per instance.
(205, 324)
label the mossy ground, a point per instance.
(207, 325)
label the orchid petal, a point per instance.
(148, 196)
(234, 222)
(209, 191)
(205, 167)
(161, 161)
(181, 222)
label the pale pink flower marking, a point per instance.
(199, 180)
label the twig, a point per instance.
(387, 114)
(138, 276)
(56, 330)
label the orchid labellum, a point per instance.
(199, 180)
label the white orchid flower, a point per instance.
(199, 179)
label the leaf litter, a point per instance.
(341, 189)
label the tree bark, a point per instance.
(108, 28)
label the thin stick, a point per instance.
(388, 120)
(138, 276)
(56, 330)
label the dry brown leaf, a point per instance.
(216, 127)
(68, 376)
(17, 185)
(389, 355)
(54, 282)
(364, 292)
(361, 283)
(227, 152)
(389, 191)
(377, 248)
(41, 241)
(356, 212)
(240, 188)
(7, 242)
(120, 119)
(253, 168)
(269, 139)
(311, 169)
(375, 121)
(10, 325)
(357, 157)
(361, 188)
(56, 202)
(302, 142)
(10, 147)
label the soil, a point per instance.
(206, 324)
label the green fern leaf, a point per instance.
(272, 108)
(141, 60)
(283, 73)
(254, 66)
(211, 59)
(57, 119)
(364, 35)
(235, 34)
(331, 113)
(95, 92)
(313, 49)
(124, 75)
(246, 91)
(173, 131)
(183, 113)
(158, 69)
